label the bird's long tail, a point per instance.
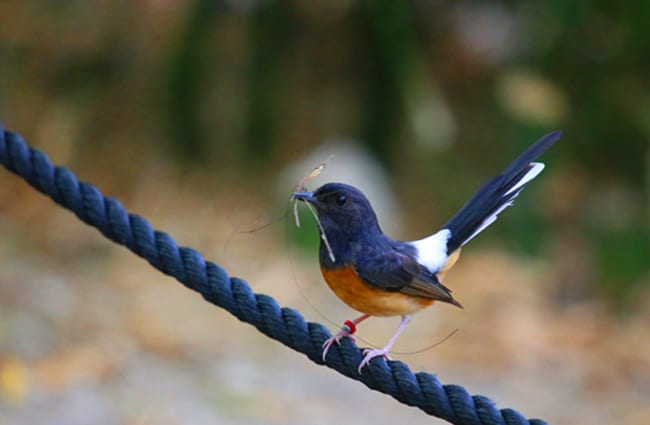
(497, 194)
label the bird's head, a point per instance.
(343, 210)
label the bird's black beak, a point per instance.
(303, 196)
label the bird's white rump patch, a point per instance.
(432, 250)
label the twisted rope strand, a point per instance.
(450, 402)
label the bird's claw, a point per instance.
(369, 354)
(343, 333)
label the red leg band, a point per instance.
(352, 328)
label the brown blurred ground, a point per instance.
(93, 335)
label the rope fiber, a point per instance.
(423, 390)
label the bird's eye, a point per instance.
(341, 200)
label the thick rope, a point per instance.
(450, 402)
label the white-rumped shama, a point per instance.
(380, 276)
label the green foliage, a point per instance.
(622, 259)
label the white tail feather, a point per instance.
(489, 220)
(534, 171)
(536, 168)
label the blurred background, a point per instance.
(203, 115)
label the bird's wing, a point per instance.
(400, 272)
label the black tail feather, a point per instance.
(494, 194)
(534, 151)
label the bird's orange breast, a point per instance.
(349, 287)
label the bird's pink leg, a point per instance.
(347, 331)
(383, 352)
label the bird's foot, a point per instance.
(347, 331)
(369, 354)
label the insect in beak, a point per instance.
(299, 194)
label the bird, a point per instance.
(380, 276)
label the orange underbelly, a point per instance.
(347, 285)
